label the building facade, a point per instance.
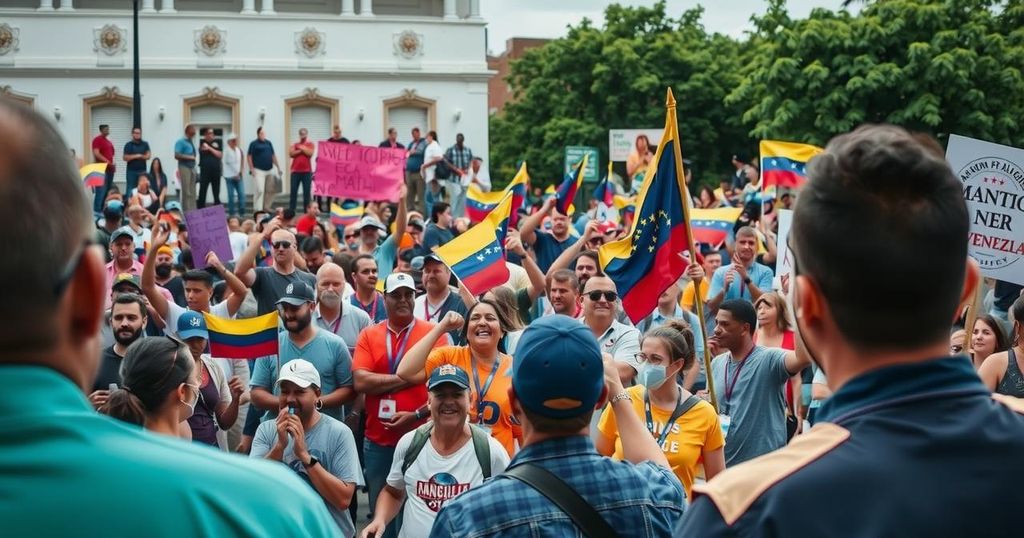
(236, 65)
(499, 91)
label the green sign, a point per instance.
(574, 154)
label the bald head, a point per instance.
(602, 283)
(330, 284)
(330, 270)
(283, 243)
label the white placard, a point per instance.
(622, 141)
(992, 178)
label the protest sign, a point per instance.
(621, 142)
(992, 179)
(358, 172)
(784, 259)
(208, 230)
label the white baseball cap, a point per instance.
(301, 372)
(398, 280)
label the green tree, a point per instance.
(574, 89)
(938, 66)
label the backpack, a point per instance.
(442, 170)
(480, 444)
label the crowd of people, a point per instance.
(536, 409)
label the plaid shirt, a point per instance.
(460, 158)
(643, 500)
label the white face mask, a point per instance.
(190, 405)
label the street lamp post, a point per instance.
(136, 95)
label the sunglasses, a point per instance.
(608, 295)
(350, 236)
(283, 244)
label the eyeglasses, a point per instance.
(643, 357)
(282, 244)
(69, 270)
(608, 295)
(350, 236)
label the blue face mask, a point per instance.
(651, 376)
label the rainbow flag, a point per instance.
(242, 338)
(647, 261)
(566, 192)
(93, 175)
(783, 164)
(477, 257)
(712, 226)
(342, 217)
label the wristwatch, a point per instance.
(312, 461)
(746, 280)
(620, 396)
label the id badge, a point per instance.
(726, 421)
(387, 409)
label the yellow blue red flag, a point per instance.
(477, 257)
(784, 164)
(242, 338)
(566, 192)
(342, 216)
(479, 203)
(93, 175)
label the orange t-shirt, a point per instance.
(371, 354)
(497, 412)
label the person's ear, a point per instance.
(85, 296)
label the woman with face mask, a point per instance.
(159, 388)
(686, 427)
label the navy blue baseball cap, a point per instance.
(557, 371)
(192, 324)
(448, 373)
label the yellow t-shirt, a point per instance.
(694, 434)
(687, 300)
(497, 414)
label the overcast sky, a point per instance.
(549, 18)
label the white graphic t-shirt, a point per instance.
(433, 479)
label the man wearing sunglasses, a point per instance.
(268, 283)
(49, 355)
(619, 340)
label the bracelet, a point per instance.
(620, 396)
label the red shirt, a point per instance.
(372, 355)
(305, 224)
(300, 163)
(106, 148)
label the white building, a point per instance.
(235, 65)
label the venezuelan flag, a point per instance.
(783, 164)
(342, 217)
(480, 203)
(93, 175)
(567, 190)
(712, 226)
(518, 187)
(647, 261)
(605, 193)
(477, 257)
(242, 338)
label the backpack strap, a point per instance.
(586, 518)
(482, 446)
(419, 439)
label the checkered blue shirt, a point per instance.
(643, 500)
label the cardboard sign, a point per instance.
(208, 230)
(359, 172)
(992, 178)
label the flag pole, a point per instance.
(670, 104)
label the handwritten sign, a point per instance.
(208, 230)
(992, 179)
(358, 172)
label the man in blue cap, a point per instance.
(638, 497)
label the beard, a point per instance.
(120, 338)
(163, 271)
(330, 299)
(299, 323)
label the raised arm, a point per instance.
(528, 227)
(568, 255)
(235, 284)
(514, 244)
(245, 268)
(638, 445)
(411, 367)
(149, 288)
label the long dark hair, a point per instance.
(151, 369)
(159, 179)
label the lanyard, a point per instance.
(393, 360)
(370, 307)
(481, 392)
(730, 386)
(672, 419)
(337, 323)
(426, 309)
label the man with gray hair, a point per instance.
(49, 355)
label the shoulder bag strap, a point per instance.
(586, 518)
(419, 439)
(482, 447)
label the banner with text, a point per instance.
(992, 179)
(622, 142)
(208, 230)
(358, 172)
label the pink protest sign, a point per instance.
(358, 172)
(208, 230)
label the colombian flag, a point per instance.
(477, 257)
(93, 175)
(783, 164)
(712, 226)
(647, 261)
(342, 217)
(567, 190)
(242, 338)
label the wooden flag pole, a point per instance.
(670, 104)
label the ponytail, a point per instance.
(125, 406)
(151, 369)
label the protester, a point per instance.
(639, 498)
(301, 154)
(320, 449)
(668, 309)
(988, 338)
(158, 179)
(584, 262)
(113, 214)
(371, 230)
(234, 166)
(313, 254)
(165, 277)
(392, 140)
(744, 278)
(144, 196)
(461, 158)
(185, 154)
(1001, 371)
(620, 341)
(415, 197)
(263, 167)
(687, 428)
(364, 280)
(331, 314)
(218, 397)
(547, 245)
(438, 461)
(433, 157)
(482, 330)
(505, 300)
(563, 293)
(211, 151)
(122, 251)
(894, 195)
(128, 320)
(438, 231)
(393, 407)
(268, 284)
(698, 273)
(439, 298)
(773, 330)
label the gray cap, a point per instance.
(371, 222)
(123, 231)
